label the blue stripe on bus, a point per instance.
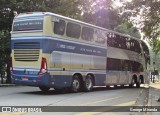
(59, 38)
(49, 46)
(56, 81)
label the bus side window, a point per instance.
(59, 27)
(73, 30)
(87, 34)
(113, 64)
(128, 44)
(132, 47)
(100, 36)
(111, 41)
(146, 52)
(119, 42)
(123, 40)
(137, 47)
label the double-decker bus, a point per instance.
(53, 51)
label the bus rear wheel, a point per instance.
(88, 83)
(132, 83)
(138, 85)
(76, 84)
(44, 88)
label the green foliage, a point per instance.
(156, 45)
(5, 50)
(101, 13)
(127, 28)
(149, 12)
(63, 7)
(6, 14)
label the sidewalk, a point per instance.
(154, 95)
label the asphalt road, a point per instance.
(101, 96)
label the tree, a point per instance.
(6, 18)
(8, 9)
(101, 13)
(128, 28)
(5, 51)
(68, 8)
(147, 16)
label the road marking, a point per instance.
(126, 104)
(107, 109)
(99, 101)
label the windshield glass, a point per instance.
(28, 25)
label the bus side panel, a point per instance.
(64, 65)
(112, 77)
(100, 79)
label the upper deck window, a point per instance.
(59, 27)
(73, 30)
(87, 33)
(100, 36)
(28, 25)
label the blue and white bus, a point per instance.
(53, 51)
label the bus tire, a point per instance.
(138, 85)
(76, 84)
(132, 83)
(44, 88)
(88, 83)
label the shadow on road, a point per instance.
(65, 91)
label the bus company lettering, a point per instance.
(63, 46)
(26, 109)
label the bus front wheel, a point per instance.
(44, 88)
(75, 86)
(88, 83)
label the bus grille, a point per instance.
(29, 51)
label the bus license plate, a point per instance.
(24, 78)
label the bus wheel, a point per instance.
(138, 85)
(88, 83)
(132, 83)
(44, 88)
(75, 86)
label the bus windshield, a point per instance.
(28, 25)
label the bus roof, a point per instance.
(28, 14)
